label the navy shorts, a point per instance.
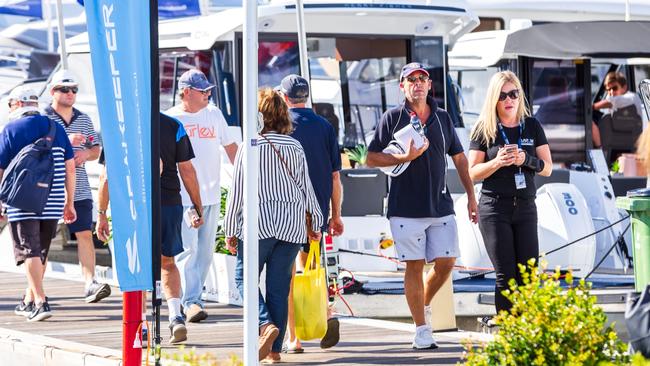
(171, 219)
(84, 220)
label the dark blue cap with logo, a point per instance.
(294, 86)
(194, 79)
(412, 67)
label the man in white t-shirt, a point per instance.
(208, 131)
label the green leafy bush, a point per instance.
(189, 357)
(637, 360)
(358, 154)
(549, 326)
(220, 240)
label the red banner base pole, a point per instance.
(131, 320)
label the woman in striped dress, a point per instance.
(285, 194)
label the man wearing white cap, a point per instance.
(420, 207)
(208, 132)
(86, 145)
(32, 232)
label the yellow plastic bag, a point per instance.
(310, 298)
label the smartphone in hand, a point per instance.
(511, 148)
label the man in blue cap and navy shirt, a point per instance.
(318, 138)
(420, 207)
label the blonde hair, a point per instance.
(643, 148)
(485, 129)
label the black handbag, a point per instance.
(637, 320)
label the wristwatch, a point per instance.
(101, 212)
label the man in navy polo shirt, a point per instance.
(318, 139)
(420, 208)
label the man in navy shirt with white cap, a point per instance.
(420, 207)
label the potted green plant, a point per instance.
(357, 155)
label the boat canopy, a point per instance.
(572, 40)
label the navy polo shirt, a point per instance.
(418, 191)
(318, 139)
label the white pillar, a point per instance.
(251, 164)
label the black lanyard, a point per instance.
(505, 138)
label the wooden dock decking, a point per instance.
(363, 341)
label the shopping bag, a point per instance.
(310, 298)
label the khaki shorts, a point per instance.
(425, 238)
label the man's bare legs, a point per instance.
(436, 277)
(35, 271)
(86, 251)
(414, 290)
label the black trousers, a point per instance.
(509, 229)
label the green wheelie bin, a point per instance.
(637, 203)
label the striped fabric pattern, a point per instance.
(55, 201)
(82, 124)
(282, 200)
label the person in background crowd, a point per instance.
(420, 208)
(176, 154)
(208, 131)
(86, 145)
(33, 233)
(285, 194)
(618, 96)
(507, 149)
(318, 140)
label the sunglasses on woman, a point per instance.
(67, 89)
(513, 94)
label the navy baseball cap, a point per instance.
(294, 86)
(194, 79)
(408, 69)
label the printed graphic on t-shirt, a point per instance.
(195, 130)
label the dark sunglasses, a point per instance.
(67, 89)
(513, 94)
(204, 92)
(413, 79)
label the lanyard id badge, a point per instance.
(520, 180)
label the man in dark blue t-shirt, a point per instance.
(176, 154)
(420, 208)
(32, 233)
(318, 139)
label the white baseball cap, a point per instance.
(24, 93)
(63, 78)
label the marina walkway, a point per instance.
(81, 331)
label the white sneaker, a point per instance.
(427, 315)
(423, 338)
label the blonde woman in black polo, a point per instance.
(507, 149)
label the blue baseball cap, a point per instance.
(194, 79)
(408, 69)
(294, 86)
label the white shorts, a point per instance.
(425, 238)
